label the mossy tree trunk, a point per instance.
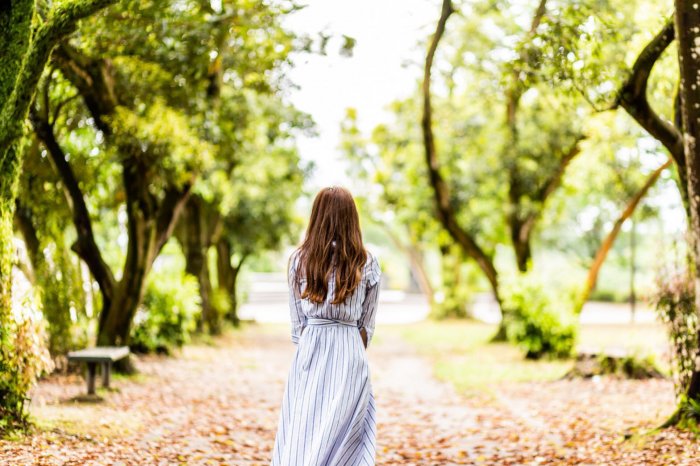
(26, 44)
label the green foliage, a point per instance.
(587, 46)
(24, 357)
(164, 136)
(44, 219)
(168, 315)
(537, 320)
(674, 301)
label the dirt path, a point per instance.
(219, 405)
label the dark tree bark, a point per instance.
(85, 245)
(632, 97)
(194, 234)
(444, 207)
(687, 26)
(521, 226)
(227, 274)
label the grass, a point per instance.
(462, 354)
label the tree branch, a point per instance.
(64, 18)
(93, 79)
(445, 212)
(633, 96)
(85, 246)
(554, 181)
(607, 243)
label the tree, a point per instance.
(390, 167)
(538, 137)
(150, 217)
(243, 207)
(156, 109)
(677, 134)
(687, 28)
(26, 42)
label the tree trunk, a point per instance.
(193, 235)
(233, 293)
(227, 275)
(197, 265)
(150, 224)
(687, 26)
(520, 237)
(445, 208)
(117, 315)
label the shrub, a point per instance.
(537, 321)
(24, 357)
(168, 314)
(674, 301)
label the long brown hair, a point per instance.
(333, 241)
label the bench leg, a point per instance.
(91, 370)
(106, 369)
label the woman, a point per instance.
(328, 412)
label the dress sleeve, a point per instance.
(297, 315)
(369, 304)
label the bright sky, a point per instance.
(388, 34)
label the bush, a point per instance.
(628, 366)
(24, 357)
(537, 321)
(674, 301)
(168, 314)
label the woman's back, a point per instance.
(353, 309)
(328, 412)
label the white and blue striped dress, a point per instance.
(328, 412)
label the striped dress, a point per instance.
(328, 412)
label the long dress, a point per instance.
(328, 411)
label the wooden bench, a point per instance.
(105, 356)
